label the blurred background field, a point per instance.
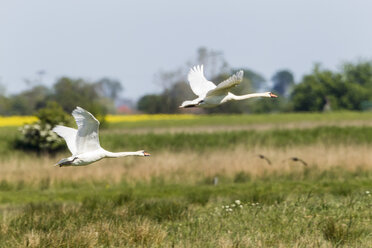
(294, 171)
(183, 193)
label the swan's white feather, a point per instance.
(226, 85)
(198, 83)
(84, 143)
(87, 135)
(69, 134)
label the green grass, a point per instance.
(306, 207)
(244, 119)
(113, 140)
(272, 138)
(329, 208)
(205, 141)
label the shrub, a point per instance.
(39, 136)
(52, 114)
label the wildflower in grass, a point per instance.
(368, 193)
(233, 205)
(237, 202)
(241, 206)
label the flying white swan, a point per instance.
(83, 143)
(210, 95)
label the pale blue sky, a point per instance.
(132, 40)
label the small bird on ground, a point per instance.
(83, 142)
(296, 159)
(264, 158)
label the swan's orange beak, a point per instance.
(146, 154)
(273, 95)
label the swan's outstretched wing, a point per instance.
(69, 134)
(226, 85)
(87, 135)
(198, 83)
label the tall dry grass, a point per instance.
(191, 166)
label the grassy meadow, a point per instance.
(205, 185)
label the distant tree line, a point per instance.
(349, 88)
(97, 96)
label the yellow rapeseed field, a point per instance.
(16, 120)
(21, 120)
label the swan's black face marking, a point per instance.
(66, 162)
(190, 106)
(199, 103)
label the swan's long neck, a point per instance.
(122, 154)
(266, 94)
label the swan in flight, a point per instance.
(83, 142)
(210, 95)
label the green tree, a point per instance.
(342, 90)
(70, 93)
(283, 82)
(360, 73)
(109, 88)
(27, 102)
(151, 104)
(175, 89)
(53, 114)
(256, 81)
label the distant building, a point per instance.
(124, 110)
(125, 106)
